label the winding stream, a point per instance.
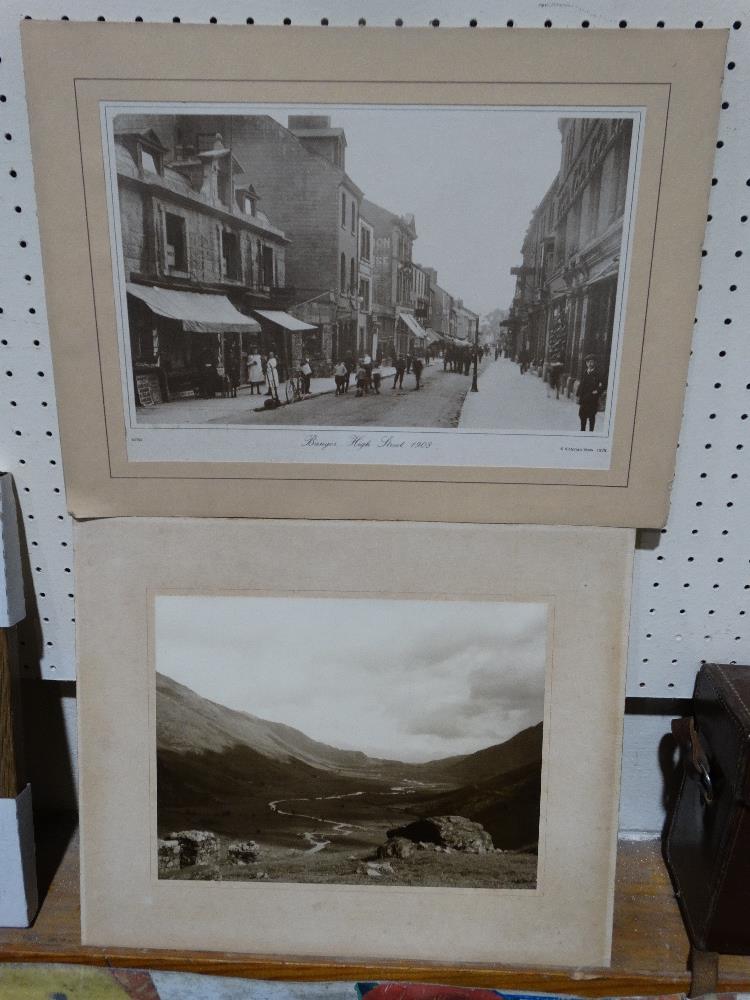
(314, 838)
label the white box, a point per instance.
(18, 892)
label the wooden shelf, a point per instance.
(649, 955)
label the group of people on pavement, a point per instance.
(406, 365)
(367, 374)
(460, 357)
(263, 370)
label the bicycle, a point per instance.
(294, 392)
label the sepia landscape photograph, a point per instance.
(349, 740)
(397, 267)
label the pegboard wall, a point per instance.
(692, 580)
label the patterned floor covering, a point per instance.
(78, 982)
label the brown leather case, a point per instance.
(707, 846)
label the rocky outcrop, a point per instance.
(397, 847)
(375, 869)
(454, 832)
(242, 852)
(169, 855)
(197, 847)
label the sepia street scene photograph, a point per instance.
(396, 267)
(358, 741)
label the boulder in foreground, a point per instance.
(197, 847)
(455, 832)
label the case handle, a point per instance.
(687, 737)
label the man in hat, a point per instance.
(590, 391)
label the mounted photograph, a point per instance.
(452, 275)
(349, 740)
(394, 274)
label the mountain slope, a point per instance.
(188, 723)
(522, 749)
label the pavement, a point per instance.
(510, 401)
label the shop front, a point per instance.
(185, 343)
(290, 339)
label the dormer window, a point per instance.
(151, 159)
(249, 206)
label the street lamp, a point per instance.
(474, 385)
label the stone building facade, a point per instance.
(300, 173)
(393, 279)
(199, 255)
(368, 334)
(566, 288)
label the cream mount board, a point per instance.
(126, 647)
(118, 463)
(672, 626)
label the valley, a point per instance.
(320, 814)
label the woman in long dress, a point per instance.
(272, 375)
(255, 372)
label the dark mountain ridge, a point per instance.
(188, 723)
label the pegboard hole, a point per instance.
(585, 24)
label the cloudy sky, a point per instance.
(470, 176)
(409, 680)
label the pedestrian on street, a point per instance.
(255, 372)
(555, 371)
(398, 378)
(467, 361)
(589, 394)
(272, 376)
(340, 377)
(306, 373)
(234, 365)
(376, 377)
(417, 365)
(409, 361)
(363, 381)
(523, 359)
